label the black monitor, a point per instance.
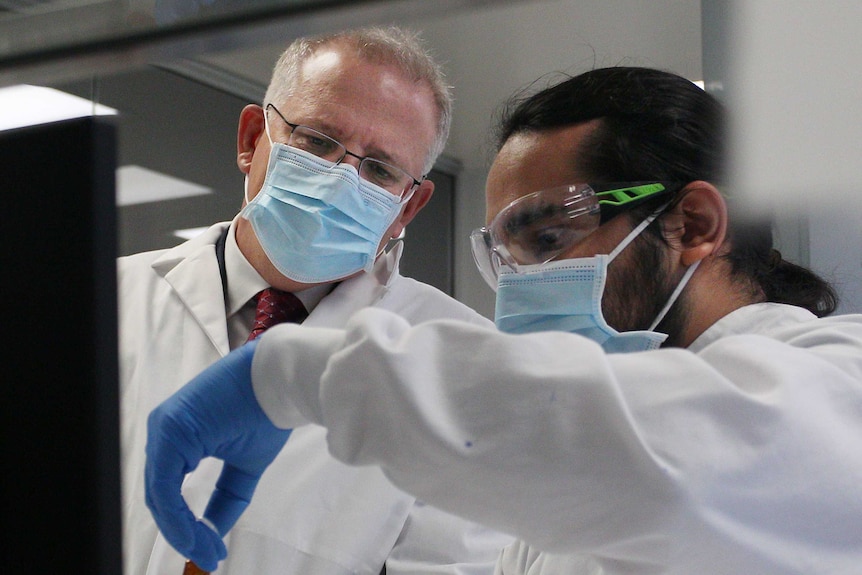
(61, 473)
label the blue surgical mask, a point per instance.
(318, 221)
(566, 295)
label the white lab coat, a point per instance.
(311, 514)
(739, 455)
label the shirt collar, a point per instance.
(244, 282)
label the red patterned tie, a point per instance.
(276, 306)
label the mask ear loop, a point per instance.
(266, 126)
(392, 242)
(268, 137)
(682, 283)
(675, 295)
(636, 232)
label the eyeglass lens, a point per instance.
(391, 178)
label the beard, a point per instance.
(638, 286)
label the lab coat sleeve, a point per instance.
(462, 415)
(546, 437)
(288, 355)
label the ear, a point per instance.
(702, 222)
(251, 128)
(417, 201)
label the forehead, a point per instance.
(372, 108)
(533, 161)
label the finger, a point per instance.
(232, 495)
(208, 548)
(164, 471)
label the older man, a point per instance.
(335, 163)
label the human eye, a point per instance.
(314, 143)
(380, 174)
(540, 235)
(544, 240)
(539, 244)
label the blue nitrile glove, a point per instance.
(215, 414)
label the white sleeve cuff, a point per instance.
(286, 371)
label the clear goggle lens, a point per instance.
(538, 227)
(535, 229)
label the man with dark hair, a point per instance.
(663, 395)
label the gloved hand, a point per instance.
(215, 414)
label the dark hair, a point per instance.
(657, 126)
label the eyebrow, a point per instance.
(527, 217)
(334, 133)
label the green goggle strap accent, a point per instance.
(623, 196)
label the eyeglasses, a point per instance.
(538, 227)
(391, 178)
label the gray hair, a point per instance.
(391, 46)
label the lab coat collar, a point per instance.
(193, 264)
(363, 290)
(190, 268)
(755, 318)
(386, 266)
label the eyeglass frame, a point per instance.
(404, 193)
(619, 197)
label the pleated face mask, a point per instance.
(318, 221)
(566, 295)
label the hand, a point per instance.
(215, 414)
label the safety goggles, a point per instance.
(538, 227)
